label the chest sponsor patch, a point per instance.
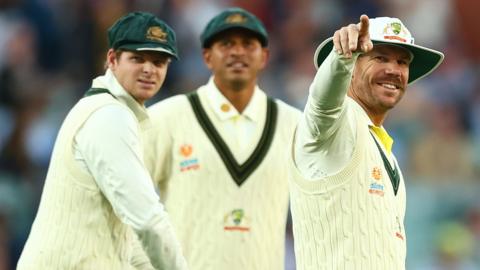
(188, 161)
(236, 220)
(376, 186)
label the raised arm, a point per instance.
(322, 117)
(330, 85)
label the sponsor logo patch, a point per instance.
(188, 163)
(376, 188)
(396, 31)
(236, 220)
(376, 173)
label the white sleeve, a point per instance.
(109, 143)
(140, 260)
(316, 152)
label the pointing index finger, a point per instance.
(364, 40)
(363, 25)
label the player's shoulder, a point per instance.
(287, 109)
(288, 115)
(168, 106)
(103, 117)
(101, 104)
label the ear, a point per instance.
(265, 57)
(111, 59)
(207, 56)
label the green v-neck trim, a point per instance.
(96, 91)
(239, 172)
(393, 173)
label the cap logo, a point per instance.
(396, 31)
(396, 27)
(236, 18)
(156, 33)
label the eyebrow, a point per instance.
(405, 56)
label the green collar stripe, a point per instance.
(392, 173)
(239, 172)
(96, 91)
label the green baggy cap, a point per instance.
(233, 18)
(142, 31)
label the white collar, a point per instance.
(110, 82)
(224, 109)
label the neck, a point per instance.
(376, 116)
(377, 120)
(239, 94)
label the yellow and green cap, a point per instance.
(233, 18)
(142, 31)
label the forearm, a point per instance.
(140, 260)
(161, 245)
(327, 95)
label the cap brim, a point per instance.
(424, 61)
(147, 47)
(263, 40)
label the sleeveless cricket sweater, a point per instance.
(83, 232)
(351, 220)
(227, 213)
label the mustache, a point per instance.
(234, 60)
(394, 79)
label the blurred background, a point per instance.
(50, 50)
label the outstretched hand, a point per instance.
(353, 38)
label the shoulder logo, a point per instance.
(236, 18)
(156, 33)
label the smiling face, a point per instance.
(235, 58)
(141, 73)
(380, 78)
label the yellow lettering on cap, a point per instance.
(156, 33)
(236, 18)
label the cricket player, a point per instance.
(347, 190)
(219, 154)
(97, 188)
